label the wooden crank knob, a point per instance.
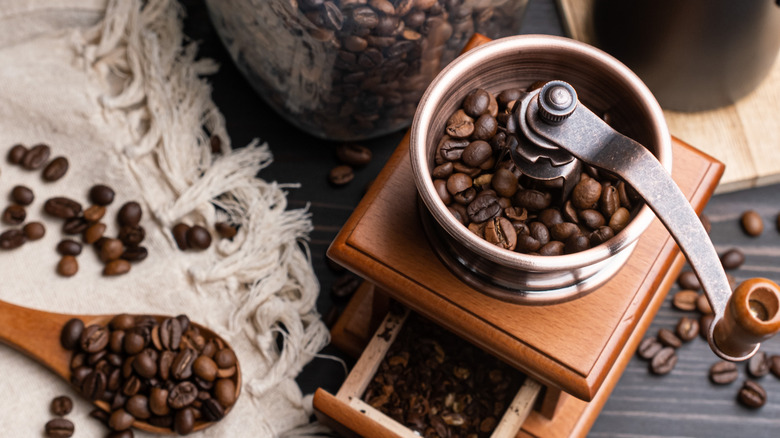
(752, 315)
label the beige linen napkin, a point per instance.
(111, 86)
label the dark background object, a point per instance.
(692, 54)
(682, 403)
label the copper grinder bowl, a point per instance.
(604, 85)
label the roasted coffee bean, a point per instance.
(94, 338)
(22, 195)
(759, 364)
(132, 235)
(179, 232)
(504, 182)
(61, 406)
(138, 407)
(70, 336)
(62, 207)
(134, 342)
(485, 127)
(135, 254)
(685, 300)
(120, 420)
(649, 347)
(93, 385)
(12, 239)
(500, 232)
(483, 207)
(205, 368)
(450, 149)
(36, 157)
(128, 433)
(476, 103)
(69, 247)
(459, 125)
(34, 230)
(723, 372)
(145, 364)
(341, 175)
(212, 410)
(123, 321)
(198, 237)
(476, 153)
(111, 249)
(225, 392)
(752, 395)
(732, 259)
(664, 361)
(94, 232)
(687, 329)
(14, 214)
(586, 193)
(609, 201)
(689, 280)
(576, 243)
(563, 231)
(668, 338)
(619, 219)
(344, 287)
(16, 154)
(458, 182)
(226, 358)
(116, 267)
(56, 169)
(704, 325)
(129, 214)
(101, 194)
(59, 428)
(752, 223)
(225, 230)
(703, 305)
(551, 248)
(181, 367)
(182, 395)
(592, 219)
(184, 421)
(442, 171)
(94, 213)
(170, 334)
(68, 266)
(601, 235)
(532, 200)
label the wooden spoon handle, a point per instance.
(37, 334)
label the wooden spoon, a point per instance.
(36, 333)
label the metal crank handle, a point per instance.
(741, 320)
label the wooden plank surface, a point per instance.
(745, 135)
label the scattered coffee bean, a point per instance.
(12, 239)
(704, 325)
(353, 154)
(225, 230)
(61, 406)
(129, 214)
(62, 207)
(341, 175)
(101, 194)
(16, 154)
(732, 259)
(94, 232)
(69, 247)
(111, 249)
(198, 237)
(689, 280)
(344, 287)
(56, 169)
(132, 235)
(752, 223)
(22, 195)
(75, 225)
(723, 372)
(36, 157)
(94, 213)
(664, 361)
(179, 232)
(59, 428)
(687, 329)
(135, 254)
(649, 347)
(759, 364)
(752, 395)
(668, 338)
(116, 267)
(34, 230)
(14, 214)
(685, 300)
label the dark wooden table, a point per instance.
(681, 404)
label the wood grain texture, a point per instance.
(745, 135)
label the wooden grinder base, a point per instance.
(580, 347)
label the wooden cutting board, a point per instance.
(745, 135)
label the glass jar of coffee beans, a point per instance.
(352, 69)
(476, 178)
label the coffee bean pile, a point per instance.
(476, 178)
(36, 158)
(661, 350)
(350, 156)
(197, 237)
(60, 427)
(164, 372)
(376, 56)
(438, 385)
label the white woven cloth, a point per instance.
(113, 86)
